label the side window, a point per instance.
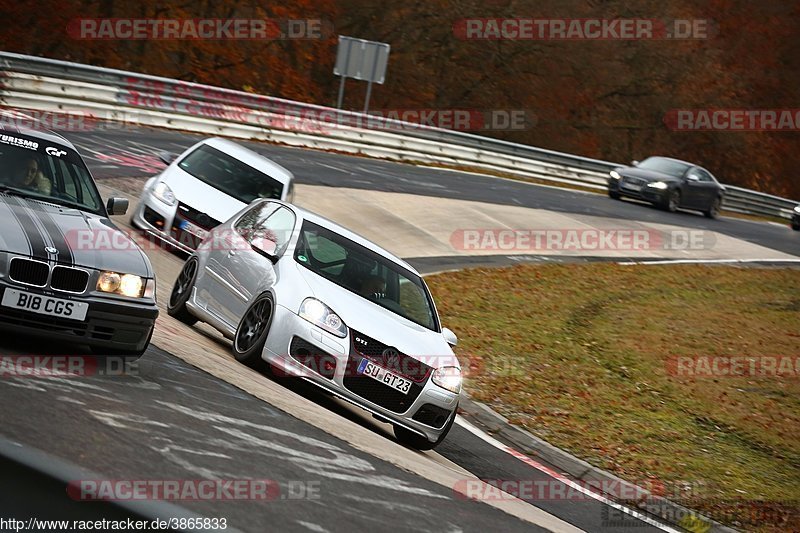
(704, 176)
(277, 227)
(250, 220)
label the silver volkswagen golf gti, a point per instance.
(316, 301)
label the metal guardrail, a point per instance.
(52, 85)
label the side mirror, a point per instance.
(449, 336)
(692, 177)
(167, 157)
(117, 206)
(634, 163)
(264, 247)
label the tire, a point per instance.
(181, 291)
(796, 225)
(673, 201)
(417, 441)
(713, 210)
(614, 195)
(252, 331)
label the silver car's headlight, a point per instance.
(129, 285)
(321, 315)
(614, 174)
(164, 193)
(660, 185)
(448, 377)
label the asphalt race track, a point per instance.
(167, 419)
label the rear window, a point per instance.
(40, 169)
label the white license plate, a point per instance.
(195, 230)
(44, 305)
(368, 368)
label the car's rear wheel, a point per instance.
(251, 334)
(673, 201)
(713, 210)
(417, 441)
(181, 291)
(614, 194)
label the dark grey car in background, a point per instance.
(668, 183)
(66, 271)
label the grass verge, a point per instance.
(580, 356)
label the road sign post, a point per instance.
(361, 60)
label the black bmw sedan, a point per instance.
(668, 183)
(66, 271)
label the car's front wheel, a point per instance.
(181, 291)
(673, 201)
(713, 209)
(417, 441)
(251, 334)
(796, 225)
(614, 195)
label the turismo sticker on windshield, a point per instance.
(16, 141)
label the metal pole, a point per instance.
(341, 94)
(369, 92)
(372, 77)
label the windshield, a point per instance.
(665, 166)
(229, 175)
(365, 273)
(54, 173)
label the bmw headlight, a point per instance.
(126, 285)
(164, 193)
(448, 377)
(614, 174)
(660, 185)
(321, 315)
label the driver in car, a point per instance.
(29, 176)
(372, 287)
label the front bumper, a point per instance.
(109, 324)
(157, 219)
(425, 409)
(648, 194)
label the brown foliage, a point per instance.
(604, 99)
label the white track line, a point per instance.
(550, 472)
(701, 261)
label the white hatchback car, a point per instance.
(317, 301)
(204, 187)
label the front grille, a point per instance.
(312, 357)
(389, 358)
(196, 217)
(633, 182)
(69, 279)
(28, 271)
(432, 415)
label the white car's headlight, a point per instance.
(321, 315)
(126, 285)
(448, 377)
(660, 185)
(614, 174)
(164, 193)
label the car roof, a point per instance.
(251, 158)
(44, 135)
(320, 220)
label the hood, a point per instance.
(200, 195)
(36, 229)
(645, 174)
(374, 321)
